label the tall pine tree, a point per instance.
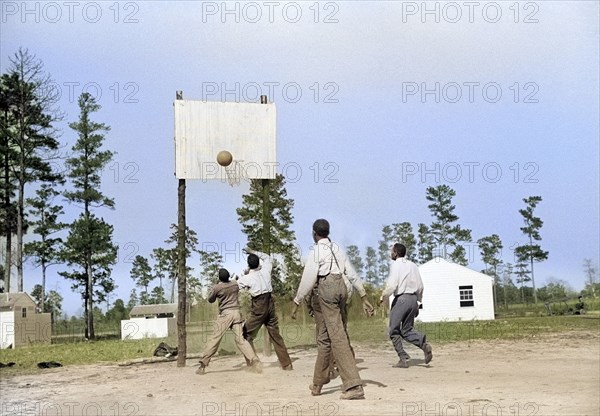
(371, 266)
(491, 247)
(46, 250)
(446, 234)
(29, 139)
(266, 218)
(89, 247)
(354, 256)
(531, 252)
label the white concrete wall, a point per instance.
(139, 328)
(7, 330)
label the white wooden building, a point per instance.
(150, 321)
(455, 293)
(20, 321)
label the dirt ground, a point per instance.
(545, 375)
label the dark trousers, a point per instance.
(402, 318)
(333, 342)
(263, 313)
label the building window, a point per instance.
(466, 296)
(24, 312)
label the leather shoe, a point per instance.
(428, 353)
(355, 393)
(315, 389)
(402, 363)
(201, 369)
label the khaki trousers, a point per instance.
(333, 342)
(263, 313)
(228, 319)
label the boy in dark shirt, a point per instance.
(229, 317)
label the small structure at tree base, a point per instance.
(150, 321)
(20, 321)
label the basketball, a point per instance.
(224, 158)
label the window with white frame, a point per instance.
(466, 296)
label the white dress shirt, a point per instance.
(258, 281)
(321, 261)
(404, 277)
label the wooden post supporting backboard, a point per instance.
(266, 220)
(181, 268)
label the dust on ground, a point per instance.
(555, 374)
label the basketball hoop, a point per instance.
(233, 171)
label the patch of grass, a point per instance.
(368, 332)
(109, 351)
(375, 332)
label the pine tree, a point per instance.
(266, 218)
(491, 247)
(522, 277)
(8, 214)
(52, 301)
(354, 256)
(167, 258)
(141, 273)
(371, 266)
(46, 251)
(133, 299)
(89, 245)
(425, 244)
(532, 251)
(210, 263)
(29, 141)
(446, 234)
(383, 254)
(403, 233)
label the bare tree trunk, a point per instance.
(181, 278)
(535, 299)
(90, 291)
(20, 227)
(44, 267)
(8, 264)
(8, 231)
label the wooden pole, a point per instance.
(181, 268)
(266, 223)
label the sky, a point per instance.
(376, 101)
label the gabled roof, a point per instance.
(150, 310)
(439, 264)
(9, 300)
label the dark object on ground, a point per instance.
(164, 350)
(49, 364)
(2, 365)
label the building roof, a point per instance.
(444, 266)
(152, 310)
(9, 300)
